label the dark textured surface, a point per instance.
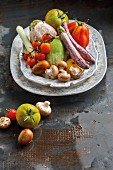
(79, 133)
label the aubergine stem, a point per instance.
(83, 51)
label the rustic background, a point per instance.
(79, 133)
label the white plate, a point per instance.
(40, 89)
(55, 83)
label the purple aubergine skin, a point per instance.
(87, 56)
(72, 51)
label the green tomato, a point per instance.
(56, 17)
(28, 116)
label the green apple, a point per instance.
(28, 116)
(56, 17)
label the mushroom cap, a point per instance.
(52, 72)
(76, 72)
(64, 76)
(44, 108)
(62, 65)
(4, 122)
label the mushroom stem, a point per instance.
(47, 103)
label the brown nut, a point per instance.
(4, 122)
(64, 76)
(76, 72)
(40, 67)
(62, 65)
(52, 72)
(44, 108)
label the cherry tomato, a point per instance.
(72, 26)
(26, 54)
(45, 48)
(36, 44)
(11, 113)
(31, 61)
(47, 37)
(40, 56)
(25, 137)
(81, 34)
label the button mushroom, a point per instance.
(76, 72)
(4, 122)
(52, 72)
(62, 65)
(64, 76)
(44, 108)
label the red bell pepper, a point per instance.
(72, 26)
(81, 34)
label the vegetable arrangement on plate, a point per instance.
(56, 48)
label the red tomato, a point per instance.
(47, 37)
(36, 44)
(40, 56)
(81, 34)
(45, 48)
(11, 114)
(31, 61)
(25, 137)
(72, 26)
(26, 54)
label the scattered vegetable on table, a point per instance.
(11, 113)
(25, 137)
(28, 117)
(5, 122)
(44, 108)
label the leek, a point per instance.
(24, 38)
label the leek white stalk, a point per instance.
(24, 38)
